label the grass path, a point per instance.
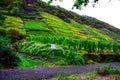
(40, 73)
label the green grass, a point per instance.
(62, 54)
(73, 29)
(86, 76)
(14, 22)
(58, 25)
(40, 33)
(28, 62)
(41, 28)
(36, 25)
(90, 33)
(83, 76)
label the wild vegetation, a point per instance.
(95, 75)
(63, 14)
(32, 31)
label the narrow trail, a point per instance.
(40, 73)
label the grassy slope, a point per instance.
(90, 33)
(58, 27)
(65, 15)
(29, 62)
(52, 26)
(12, 22)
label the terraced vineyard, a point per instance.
(31, 34)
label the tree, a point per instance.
(79, 3)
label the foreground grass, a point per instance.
(28, 62)
(33, 24)
(89, 76)
(83, 76)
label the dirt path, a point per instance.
(40, 73)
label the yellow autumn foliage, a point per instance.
(15, 22)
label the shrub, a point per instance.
(2, 18)
(13, 22)
(61, 61)
(15, 11)
(4, 40)
(108, 70)
(3, 32)
(8, 57)
(15, 35)
(103, 71)
(62, 55)
(74, 58)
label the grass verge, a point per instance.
(28, 62)
(89, 76)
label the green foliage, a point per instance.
(28, 62)
(61, 61)
(65, 78)
(58, 26)
(4, 40)
(12, 28)
(113, 58)
(74, 58)
(90, 33)
(3, 32)
(78, 3)
(36, 25)
(108, 70)
(15, 35)
(35, 48)
(14, 22)
(2, 18)
(78, 44)
(109, 33)
(114, 71)
(38, 34)
(82, 76)
(91, 62)
(8, 57)
(13, 7)
(14, 11)
(62, 55)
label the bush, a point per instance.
(13, 22)
(8, 57)
(15, 35)
(61, 61)
(3, 32)
(108, 70)
(15, 11)
(74, 58)
(2, 18)
(5, 40)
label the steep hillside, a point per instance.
(65, 15)
(55, 26)
(78, 39)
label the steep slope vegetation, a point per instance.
(65, 15)
(53, 25)
(35, 29)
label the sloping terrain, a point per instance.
(92, 22)
(53, 25)
(79, 39)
